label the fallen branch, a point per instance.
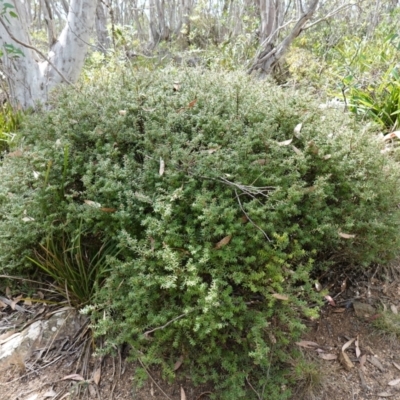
(247, 216)
(147, 333)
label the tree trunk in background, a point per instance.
(32, 76)
(269, 55)
(270, 15)
(154, 35)
(103, 38)
(48, 17)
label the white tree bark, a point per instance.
(269, 56)
(33, 75)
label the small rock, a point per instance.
(363, 310)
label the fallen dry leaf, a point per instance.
(358, 351)
(307, 344)
(313, 147)
(374, 361)
(15, 302)
(183, 394)
(223, 242)
(178, 363)
(345, 361)
(28, 301)
(50, 393)
(152, 243)
(327, 356)
(92, 203)
(297, 151)
(8, 292)
(280, 296)
(92, 391)
(363, 359)
(74, 377)
(192, 103)
(394, 382)
(396, 365)
(385, 394)
(261, 161)
(122, 112)
(272, 338)
(348, 344)
(244, 219)
(374, 317)
(339, 310)
(346, 235)
(297, 130)
(97, 376)
(392, 135)
(394, 309)
(162, 167)
(16, 153)
(285, 142)
(3, 305)
(330, 300)
(327, 157)
(108, 209)
(318, 286)
(364, 384)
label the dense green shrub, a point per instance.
(221, 204)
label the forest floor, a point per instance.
(355, 359)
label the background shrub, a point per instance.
(10, 121)
(221, 205)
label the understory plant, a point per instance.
(380, 101)
(10, 121)
(222, 194)
(76, 263)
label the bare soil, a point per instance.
(368, 367)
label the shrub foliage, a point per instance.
(222, 194)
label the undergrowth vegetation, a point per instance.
(359, 68)
(10, 121)
(198, 205)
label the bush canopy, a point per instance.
(222, 195)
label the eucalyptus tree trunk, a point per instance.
(31, 75)
(271, 13)
(271, 53)
(103, 38)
